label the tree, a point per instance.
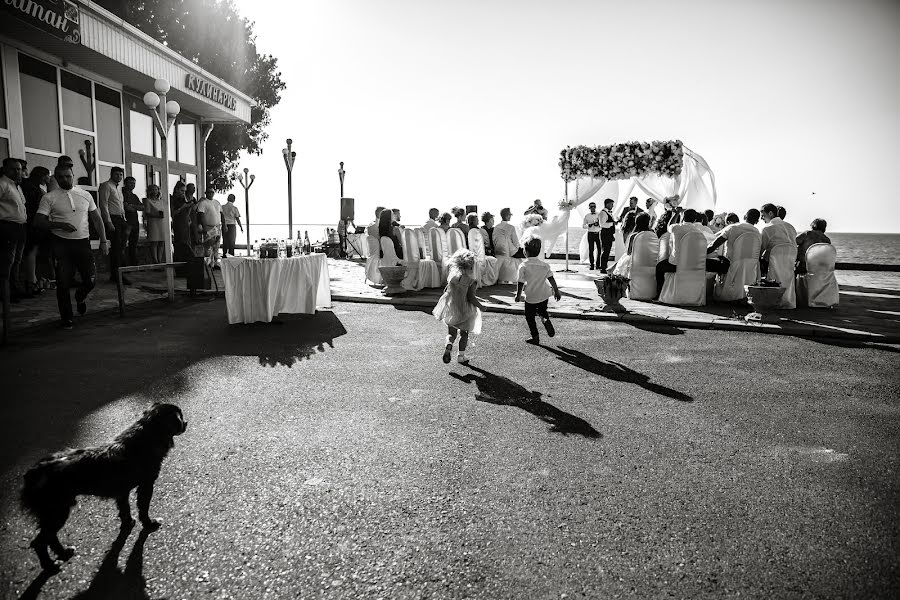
(212, 34)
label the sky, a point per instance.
(439, 103)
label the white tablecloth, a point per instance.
(357, 244)
(260, 289)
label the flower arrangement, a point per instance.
(532, 220)
(622, 161)
(566, 204)
(612, 288)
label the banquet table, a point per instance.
(258, 289)
(357, 244)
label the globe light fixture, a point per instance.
(161, 86)
(151, 100)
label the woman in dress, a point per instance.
(153, 215)
(386, 229)
(460, 224)
(444, 222)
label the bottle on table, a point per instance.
(306, 243)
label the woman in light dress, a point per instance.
(153, 214)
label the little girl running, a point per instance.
(458, 306)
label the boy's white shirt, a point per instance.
(534, 273)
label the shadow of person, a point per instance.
(112, 582)
(500, 390)
(615, 371)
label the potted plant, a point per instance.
(764, 295)
(612, 288)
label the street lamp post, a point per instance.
(164, 114)
(289, 165)
(246, 181)
(341, 173)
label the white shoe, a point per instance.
(461, 358)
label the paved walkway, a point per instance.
(869, 309)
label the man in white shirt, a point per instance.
(607, 232)
(431, 223)
(112, 209)
(592, 224)
(231, 216)
(731, 232)
(506, 240)
(372, 229)
(65, 212)
(209, 216)
(13, 217)
(774, 233)
(676, 232)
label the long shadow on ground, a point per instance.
(615, 371)
(505, 392)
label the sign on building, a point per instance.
(57, 17)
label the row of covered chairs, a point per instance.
(691, 285)
(426, 253)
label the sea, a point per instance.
(867, 248)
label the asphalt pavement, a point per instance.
(336, 456)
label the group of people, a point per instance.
(46, 222)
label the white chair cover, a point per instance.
(455, 240)
(782, 258)
(744, 268)
(437, 241)
(818, 288)
(374, 260)
(664, 242)
(687, 285)
(424, 247)
(643, 266)
(485, 266)
(507, 269)
(420, 273)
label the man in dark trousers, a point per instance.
(133, 204)
(592, 224)
(607, 232)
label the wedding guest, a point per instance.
(607, 233)
(209, 216)
(628, 224)
(506, 239)
(472, 220)
(190, 196)
(536, 281)
(65, 213)
(386, 229)
(815, 235)
(592, 224)
(431, 223)
(727, 236)
(650, 204)
(180, 210)
(133, 205)
(372, 229)
(112, 209)
(688, 222)
(62, 161)
(641, 224)
(704, 228)
(662, 233)
(398, 228)
(33, 189)
(632, 207)
(13, 219)
(444, 222)
(488, 230)
(231, 215)
(460, 215)
(782, 213)
(774, 232)
(153, 216)
(537, 208)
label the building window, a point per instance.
(172, 144)
(109, 124)
(2, 98)
(78, 111)
(139, 172)
(75, 144)
(42, 160)
(141, 133)
(40, 109)
(187, 147)
(4, 149)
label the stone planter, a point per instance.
(393, 277)
(611, 296)
(763, 299)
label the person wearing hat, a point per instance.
(488, 229)
(592, 224)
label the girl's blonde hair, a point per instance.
(462, 261)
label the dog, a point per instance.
(132, 460)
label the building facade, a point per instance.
(72, 80)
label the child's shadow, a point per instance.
(615, 371)
(500, 390)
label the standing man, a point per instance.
(209, 217)
(592, 224)
(607, 233)
(112, 210)
(13, 217)
(65, 213)
(133, 204)
(231, 215)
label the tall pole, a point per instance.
(246, 181)
(289, 157)
(341, 173)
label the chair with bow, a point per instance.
(427, 273)
(374, 260)
(687, 285)
(818, 287)
(422, 238)
(455, 240)
(781, 268)
(437, 241)
(644, 254)
(485, 266)
(743, 270)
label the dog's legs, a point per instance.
(40, 545)
(144, 495)
(50, 523)
(124, 511)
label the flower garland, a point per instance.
(622, 161)
(566, 204)
(532, 220)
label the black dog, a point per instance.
(132, 460)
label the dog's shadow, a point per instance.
(110, 581)
(500, 390)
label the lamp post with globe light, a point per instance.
(164, 114)
(246, 181)
(289, 157)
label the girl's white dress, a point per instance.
(454, 309)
